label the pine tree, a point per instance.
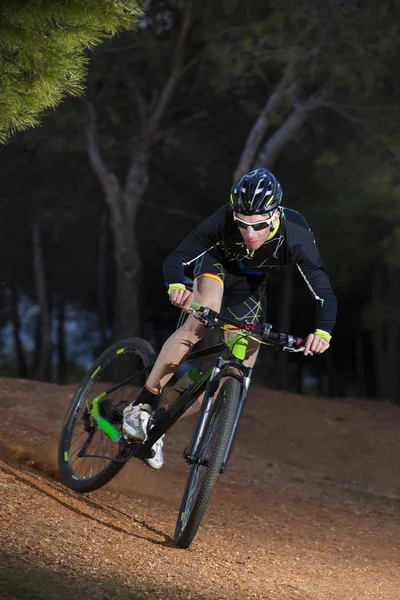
(43, 52)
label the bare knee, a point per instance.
(208, 292)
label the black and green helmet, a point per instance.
(257, 192)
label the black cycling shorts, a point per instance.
(244, 295)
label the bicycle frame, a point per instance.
(233, 354)
(207, 382)
(222, 401)
(176, 410)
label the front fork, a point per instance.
(211, 388)
(191, 454)
(243, 396)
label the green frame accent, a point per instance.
(238, 345)
(95, 372)
(108, 429)
(101, 422)
(95, 411)
(66, 456)
(121, 351)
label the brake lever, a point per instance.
(204, 318)
(199, 316)
(292, 349)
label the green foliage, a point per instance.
(346, 48)
(43, 46)
(361, 194)
(364, 206)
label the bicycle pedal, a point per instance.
(127, 448)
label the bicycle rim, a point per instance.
(88, 457)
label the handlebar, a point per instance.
(281, 341)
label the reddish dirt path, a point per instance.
(309, 507)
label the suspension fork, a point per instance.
(212, 386)
(205, 409)
(243, 396)
(238, 345)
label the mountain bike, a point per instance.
(93, 447)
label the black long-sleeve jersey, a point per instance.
(292, 242)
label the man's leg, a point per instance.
(252, 350)
(250, 360)
(251, 309)
(207, 292)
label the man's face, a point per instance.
(252, 238)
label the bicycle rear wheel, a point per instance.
(203, 474)
(87, 456)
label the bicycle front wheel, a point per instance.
(87, 457)
(204, 473)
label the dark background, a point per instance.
(95, 198)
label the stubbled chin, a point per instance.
(252, 245)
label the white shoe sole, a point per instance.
(154, 465)
(139, 437)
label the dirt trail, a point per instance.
(309, 507)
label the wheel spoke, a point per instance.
(117, 364)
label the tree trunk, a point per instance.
(38, 343)
(284, 323)
(272, 148)
(377, 334)
(259, 129)
(101, 281)
(123, 204)
(392, 330)
(127, 310)
(127, 259)
(22, 368)
(300, 114)
(360, 364)
(61, 345)
(300, 377)
(328, 384)
(124, 200)
(390, 361)
(44, 350)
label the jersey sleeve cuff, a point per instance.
(176, 286)
(323, 334)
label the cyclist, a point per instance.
(232, 253)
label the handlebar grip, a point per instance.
(195, 306)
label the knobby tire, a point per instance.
(213, 448)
